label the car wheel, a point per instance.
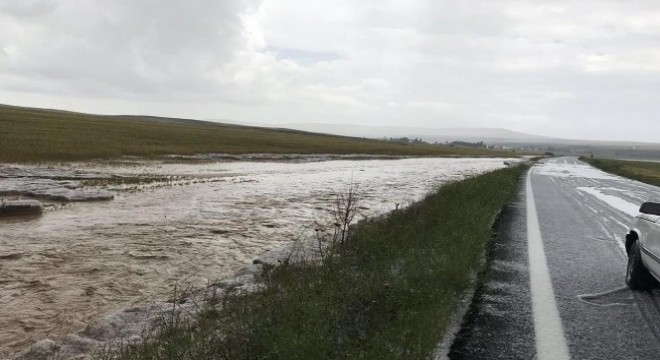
(637, 276)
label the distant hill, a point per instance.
(488, 135)
(30, 134)
(492, 136)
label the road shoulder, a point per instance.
(499, 323)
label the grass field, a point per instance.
(32, 135)
(389, 295)
(644, 171)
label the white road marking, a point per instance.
(608, 234)
(591, 208)
(550, 341)
(620, 223)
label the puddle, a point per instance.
(170, 223)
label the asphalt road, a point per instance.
(555, 285)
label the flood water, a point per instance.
(180, 224)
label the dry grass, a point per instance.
(32, 135)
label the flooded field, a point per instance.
(113, 235)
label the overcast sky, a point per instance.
(578, 69)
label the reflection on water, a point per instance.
(185, 223)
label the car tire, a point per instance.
(637, 276)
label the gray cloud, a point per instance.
(148, 48)
(27, 8)
(565, 68)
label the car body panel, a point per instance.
(647, 230)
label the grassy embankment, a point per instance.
(644, 171)
(389, 295)
(32, 135)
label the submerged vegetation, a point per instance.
(388, 293)
(644, 171)
(48, 135)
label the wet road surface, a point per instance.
(584, 311)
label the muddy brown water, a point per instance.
(184, 224)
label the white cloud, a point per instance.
(144, 49)
(564, 68)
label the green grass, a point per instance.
(33, 135)
(389, 295)
(644, 171)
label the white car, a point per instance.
(643, 248)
